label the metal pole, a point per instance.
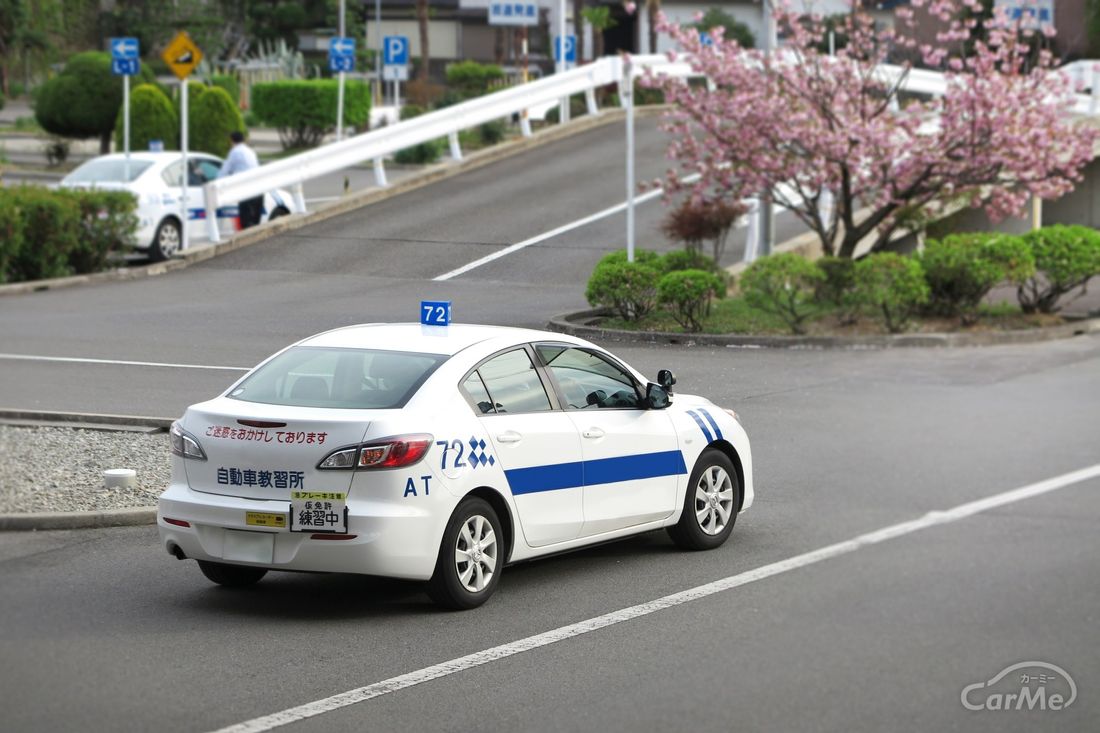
(126, 123)
(767, 213)
(340, 87)
(185, 179)
(628, 95)
(378, 44)
(560, 66)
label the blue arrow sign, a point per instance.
(337, 64)
(570, 49)
(705, 39)
(125, 67)
(341, 46)
(395, 50)
(124, 48)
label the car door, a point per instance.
(536, 444)
(201, 170)
(632, 460)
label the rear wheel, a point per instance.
(710, 507)
(232, 576)
(277, 212)
(167, 240)
(470, 557)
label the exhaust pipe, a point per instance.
(176, 551)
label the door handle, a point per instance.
(593, 433)
(509, 436)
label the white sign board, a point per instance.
(1030, 13)
(510, 12)
(395, 73)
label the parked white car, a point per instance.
(154, 178)
(443, 454)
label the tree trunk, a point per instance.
(498, 46)
(425, 51)
(105, 143)
(654, 7)
(578, 26)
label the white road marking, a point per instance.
(461, 664)
(78, 360)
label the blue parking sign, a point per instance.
(570, 49)
(395, 50)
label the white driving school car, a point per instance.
(154, 179)
(443, 454)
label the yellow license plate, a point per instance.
(261, 519)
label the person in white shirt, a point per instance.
(243, 158)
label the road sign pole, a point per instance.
(628, 95)
(183, 174)
(563, 109)
(340, 87)
(126, 123)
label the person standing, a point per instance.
(243, 158)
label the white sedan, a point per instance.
(154, 179)
(441, 455)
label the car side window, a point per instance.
(209, 170)
(477, 394)
(513, 384)
(171, 174)
(588, 380)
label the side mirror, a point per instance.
(666, 379)
(656, 397)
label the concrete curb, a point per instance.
(41, 521)
(84, 418)
(431, 174)
(578, 324)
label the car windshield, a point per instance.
(307, 376)
(112, 170)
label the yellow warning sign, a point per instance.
(182, 55)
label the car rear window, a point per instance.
(308, 376)
(108, 171)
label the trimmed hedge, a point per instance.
(53, 233)
(1066, 258)
(687, 294)
(152, 117)
(784, 285)
(304, 111)
(470, 79)
(628, 287)
(892, 285)
(961, 269)
(213, 117)
(229, 83)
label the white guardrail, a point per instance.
(373, 146)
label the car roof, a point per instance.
(414, 337)
(167, 156)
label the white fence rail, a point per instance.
(373, 146)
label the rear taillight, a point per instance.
(184, 444)
(393, 452)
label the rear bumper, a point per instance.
(395, 539)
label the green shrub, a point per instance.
(628, 287)
(891, 284)
(784, 285)
(152, 117)
(836, 289)
(1066, 258)
(961, 269)
(644, 256)
(304, 111)
(229, 83)
(213, 117)
(107, 223)
(578, 107)
(687, 259)
(2, 100)
(11, 236)
(492, 132)
(425, 152)
(83, 100)
(471, 79)
(687, 294)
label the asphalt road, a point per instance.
(102, 630)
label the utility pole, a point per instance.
(766, 209)
(340, 88)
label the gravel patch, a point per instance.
(54, 469)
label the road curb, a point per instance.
(85, 418)
(575, 324)
(431, 174)
(42, 521)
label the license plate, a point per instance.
(248, 546)
(318, 511)
(263, 519)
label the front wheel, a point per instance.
(710, 507)
(470, 557)
(167, 240)
(231, 576)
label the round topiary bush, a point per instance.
(784, 284)
(1066, 258)
(152, 117)
(891, 284)
(213, 116)
(962, 268)
(687, 295)
(628, 287)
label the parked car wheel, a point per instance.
(167, 240)
(232, 576)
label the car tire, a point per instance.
(167, 241)
(471, 557)
(710, 506)
(231, 576)
(277, 212)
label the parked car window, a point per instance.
(308, 376)
(112, 170)
(588, 380)
(513, 384)
(477, 394)
(171, 174)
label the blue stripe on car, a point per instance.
(702, 426)
(601, 471)
(717, 430)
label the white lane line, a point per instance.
(461, 664)
(78, 360)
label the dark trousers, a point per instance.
(250, 211)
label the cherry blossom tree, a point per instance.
(836, 141)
